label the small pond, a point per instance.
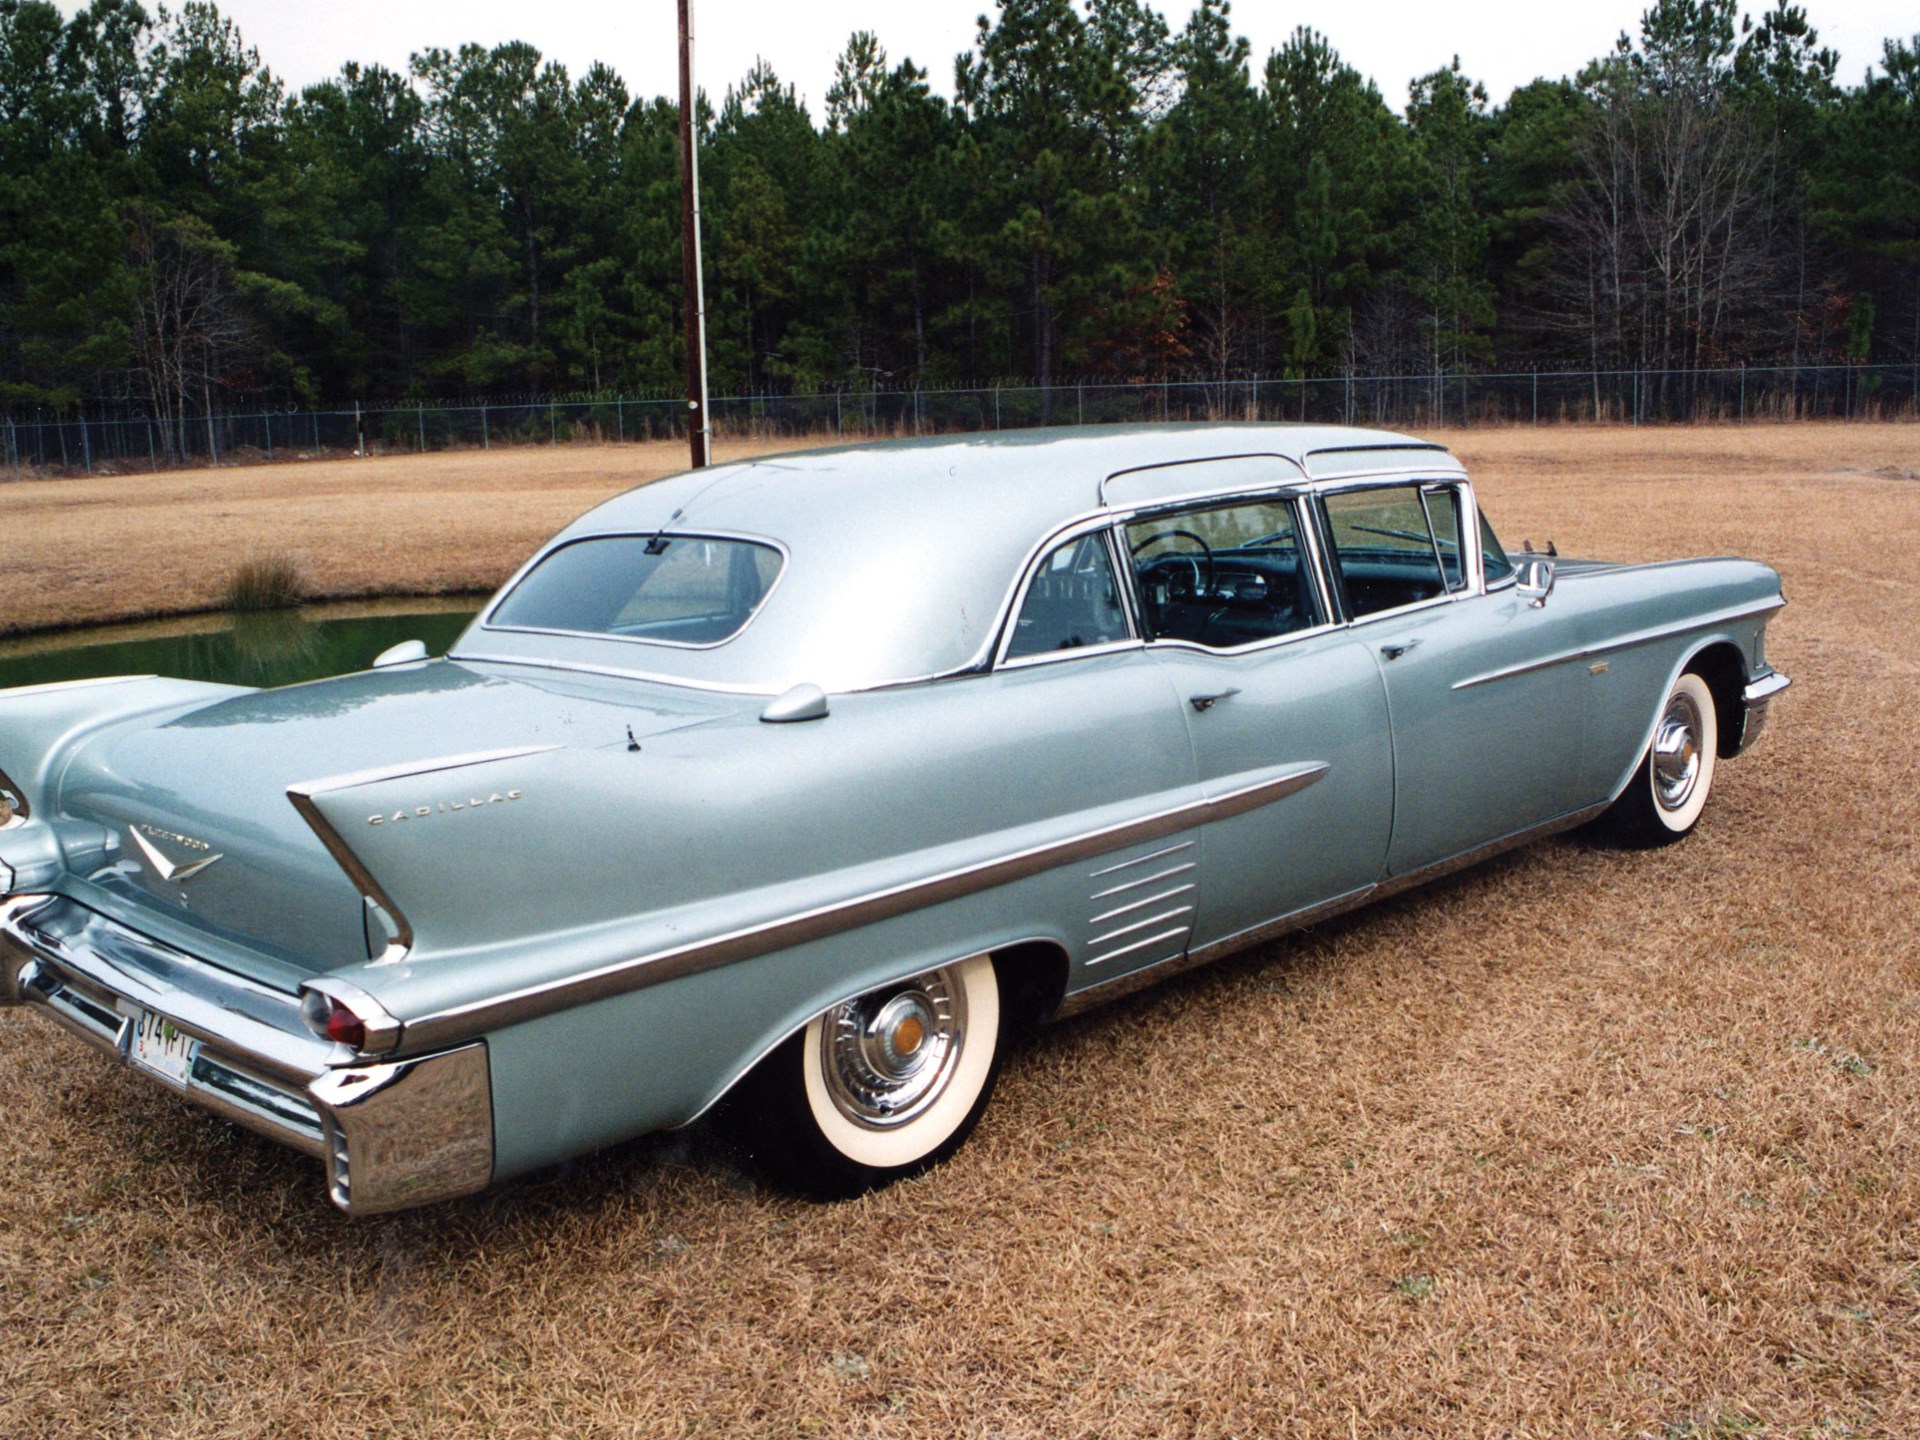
(275, 647)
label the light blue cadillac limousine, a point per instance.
(794, 783)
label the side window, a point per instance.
(1443, 514)
(1223, 577)
(1071, 602)
(1384, 546)
(1493, 555)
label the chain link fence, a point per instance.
(123, 442)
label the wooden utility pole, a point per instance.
(699, 433)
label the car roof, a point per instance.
(1016, 476)
(901, 553)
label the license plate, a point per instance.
(160, 1047)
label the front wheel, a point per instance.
(882, 1086)
(1668, 791)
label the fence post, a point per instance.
(486, 435)
(1536, 394)
(996, 407)
(916, 408)
(267, 417)
(213, 444)
(420, 424)
(553, 423)
(620, 420)
(86, 443)
(153, 455)
(1080, 394)
(13, 448)
(359, 431)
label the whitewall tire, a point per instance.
(1669, 789)
(883, 1085)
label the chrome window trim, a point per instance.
(1030, 571)
(1412, 447)
(1272, 642)
(1468, 516)
(1056, 657)
(1451, 597)
(1138, 506)
(617, 672)
(485, 620)
(1297, 497)
(1380, 482)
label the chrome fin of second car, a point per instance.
(461, 1022)
(301, 797)
(165, 868)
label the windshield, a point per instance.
(688, 590)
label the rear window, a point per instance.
(668, 589)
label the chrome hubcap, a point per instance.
(889, 1055)
(1676, 753)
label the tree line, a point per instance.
(1103, 197)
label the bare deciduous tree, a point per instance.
(189, 328)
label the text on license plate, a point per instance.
(161, 1048)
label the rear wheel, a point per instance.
(882, 1086)
(1663, 801)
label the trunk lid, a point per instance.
(208, 840)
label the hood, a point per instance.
(206, 834)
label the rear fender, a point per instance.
(42, 725)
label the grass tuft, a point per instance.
(264, 582)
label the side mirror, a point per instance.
(407, 652)
(1536, 581)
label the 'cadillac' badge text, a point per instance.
(445, 807)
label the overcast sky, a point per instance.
(1504, 43)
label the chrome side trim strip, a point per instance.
(1179, 932)
(1625, 642)
(460, 1022)
(1091, 997)
(302, 796)
(1439, 869)
(1094, 996)
(1140, 860)
(1153, 879)
(1162, 918)
(1128, 909)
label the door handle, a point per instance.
(1204, 703)
(1394, 652)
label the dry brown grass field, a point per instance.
(1580, 1143)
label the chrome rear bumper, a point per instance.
(391, 1135)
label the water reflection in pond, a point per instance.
(276, 647)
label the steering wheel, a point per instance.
(1201, 586)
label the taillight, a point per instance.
(331, 1020)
